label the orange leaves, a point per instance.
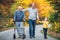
(43, 7)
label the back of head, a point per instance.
(46, 19)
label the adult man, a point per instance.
(33, 15)
(18, 20)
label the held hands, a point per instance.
(37, 21)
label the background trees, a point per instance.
(5, 12)
(46, 8)
(43, 6)
(55, 18)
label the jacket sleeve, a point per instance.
(25, 9)
(24, 16)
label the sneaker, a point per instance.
(30, 37)
(45, 38)
(14, 36)
(24, 36)
(33, 36)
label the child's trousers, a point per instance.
(45, 32)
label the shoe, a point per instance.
(33, 36)
(30, 37)
(14, 36)
(24, 36)
(45, 38)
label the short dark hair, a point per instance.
(31, 4)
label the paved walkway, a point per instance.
(8, 35)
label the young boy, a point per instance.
(45, 26)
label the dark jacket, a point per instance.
(18, 16)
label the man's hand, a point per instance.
(23, 19)
(37, 21)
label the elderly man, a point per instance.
(33, 15)
(18, 20)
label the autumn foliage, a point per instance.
(45, 9)
(43, 6)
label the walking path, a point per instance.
(8, 35)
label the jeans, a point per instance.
(45, 32)
(19, 26)
(32, 27)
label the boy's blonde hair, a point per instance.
(46, 19)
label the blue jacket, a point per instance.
(18, 16)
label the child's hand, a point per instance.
(37, 21)
(40, 22)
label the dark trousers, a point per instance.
(32, 27)
(45, 32)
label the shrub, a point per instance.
(55, 27)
